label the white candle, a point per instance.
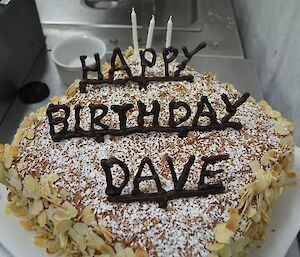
(134, 31)
(150, 32)
(169, 32)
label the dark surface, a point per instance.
(33, 92)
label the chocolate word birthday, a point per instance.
(161, 196)
(169, 55)
(121, 110)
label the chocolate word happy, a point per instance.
(169, 55)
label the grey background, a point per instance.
(270, 32)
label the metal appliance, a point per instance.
(21, 41)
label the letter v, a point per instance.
(179, 183)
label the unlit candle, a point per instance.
(169, 32)
(150, 32)
(134, 31)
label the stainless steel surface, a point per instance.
(213, 22)
(4, 2)
(188, 13)
(21, 40)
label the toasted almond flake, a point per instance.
(119, 247)
(63, 225)
(16, 211)
(281, 129)
(239, 244)
(225, 252)
(223, 234)
(248, 226)
(140, 252)
(12, 149)
(94, 241)
(40, 240)
(255, 166)
(30, 134)
(53, 246)
(8, 159)
(81, 243)
(105, 248)
(233, 222)
(73, 88)
(63, 240)
(260, 185)
(129, 51)
(81, 228)
(2, 147)
(36, 207)
(16, 183)
(27, 225)
(214, 247)
(63, 194)
(30, 187)
(72, 211)
(264, 216)
(213, 255)
(256, 217)
(2, 174)
(42, 111)
(55, 99)
(250, 212)
(129, 252)
(105, 68)
(42, 218)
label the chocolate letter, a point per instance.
(175, 105)
(179, 183)
(77, 108)
(211, 114)
(114, 68)
(112, 190)
(210, 173)
(188, 56)
(138, 178)
(121, 110)
(145, 62)
(57, 136)
(142, 113)
(231, 108)
(85, 69)
(166, 52)
(172, 123)
(96, 120)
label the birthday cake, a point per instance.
(147, 157)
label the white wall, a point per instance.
(270, 31)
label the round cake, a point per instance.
(136, 165)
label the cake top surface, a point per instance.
(186, 226)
